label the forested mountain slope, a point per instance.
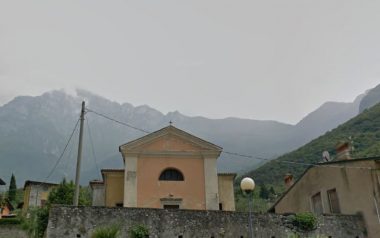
(364, 131)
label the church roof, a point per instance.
(170, 130)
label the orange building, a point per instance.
(168, 168)
(6, 209)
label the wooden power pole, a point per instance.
(79, 158)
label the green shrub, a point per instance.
(10, 221)
(112, 231)
(36, 222)
(305, 221)
(42, 220)
(139, 231)
(293, 235)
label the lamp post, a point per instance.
(248, 185)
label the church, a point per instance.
(168, 169)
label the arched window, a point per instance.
(171, 175)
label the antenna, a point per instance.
(326, 156)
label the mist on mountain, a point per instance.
(35, 131)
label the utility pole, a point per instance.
(79, 158)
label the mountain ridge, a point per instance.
(42, 124)
(362, 131)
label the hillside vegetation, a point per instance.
(364, 131)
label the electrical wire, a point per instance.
(235, 153)
(63, 152)
(117, 121)
(92, 144)
(59, 159)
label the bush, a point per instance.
(36, 223)
(10, 221)
(139, 231)
(42, 220)
(305, 221)
(112, 231)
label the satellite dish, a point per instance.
(326, 156)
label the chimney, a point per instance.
(289, 181)
(343, 151)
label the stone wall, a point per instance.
(12, 231)
(67, 221)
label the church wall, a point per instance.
(114, 188)
(150, 189)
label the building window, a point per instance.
(119, 204)
(167, 206)
(333, 200)
(220, 206)
(171, 175)
(171, 203)
(317, 203)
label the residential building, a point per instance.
(342, 186)
(36, 193)
(169, 168)
(6, 209)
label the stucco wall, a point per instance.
(98, 195)
(147, 157)
(211, 183)
(114, 188)
(81, 222)
(355, 188)
(26, 199)
(130, 181)
(226, 192)
(33, 194)
(150, 189)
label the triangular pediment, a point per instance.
(169, 139)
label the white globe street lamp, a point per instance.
(248, 185)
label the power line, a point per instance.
(245, 156)
(294, 162)
(117, 121)
(92, 144)
(59, 159)
(69, 155)
(264, 159)
(235, 153)
(63, 152)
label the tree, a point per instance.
(271, 191)
(264, 192)
(12, 189)
(64, 194)
(272, 194)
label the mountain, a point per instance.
(371, 98)
(34, 131)
(327, 117)
(363, 130)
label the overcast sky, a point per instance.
(269, 59)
